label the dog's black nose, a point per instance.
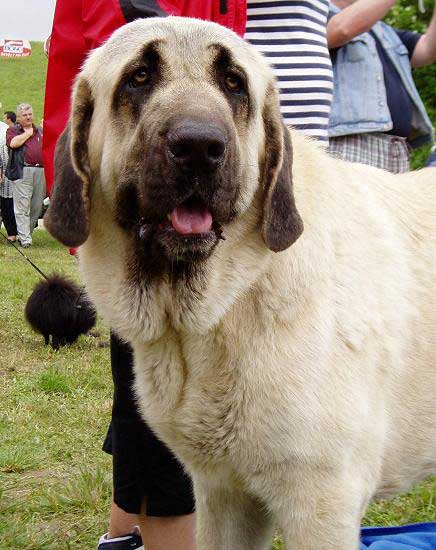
(193, 145)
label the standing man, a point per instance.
(9, 118)
(377, 115)
(29, 191)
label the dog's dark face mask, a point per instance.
(181, 179)
(180, 182)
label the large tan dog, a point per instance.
(295, 385)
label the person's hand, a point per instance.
(28, 131)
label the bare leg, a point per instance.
(168, 533)
(121, 523)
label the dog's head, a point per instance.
(175, 124)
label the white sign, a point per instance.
(15, 48)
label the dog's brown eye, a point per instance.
(233, 82)
(140, 77)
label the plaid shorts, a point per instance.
(381, 150)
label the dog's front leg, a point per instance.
(229, 519)
(318, 511)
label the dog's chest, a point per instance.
(213, 400)
(189, 395)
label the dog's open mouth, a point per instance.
(188, 233)
(192, 217)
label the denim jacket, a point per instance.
(359, 97)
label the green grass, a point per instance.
(54, 381)
(23, 81)
(55, 406)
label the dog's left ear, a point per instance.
(282, 224)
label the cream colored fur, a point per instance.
(294, 386)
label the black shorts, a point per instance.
(145, 472)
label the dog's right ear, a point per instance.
(67, 218)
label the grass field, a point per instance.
(23, 81)
(54, 410)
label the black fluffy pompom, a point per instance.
(59, 309)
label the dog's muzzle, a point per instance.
(196, 147)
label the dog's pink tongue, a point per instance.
(191, 221)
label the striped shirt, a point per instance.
(292, 35)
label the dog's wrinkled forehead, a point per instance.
(187, 46)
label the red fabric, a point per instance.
(79, 25)
(235, 18)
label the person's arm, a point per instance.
(355, 19)
(425, 50)
(19, 140)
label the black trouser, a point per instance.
(7, 211)
(143, 467)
